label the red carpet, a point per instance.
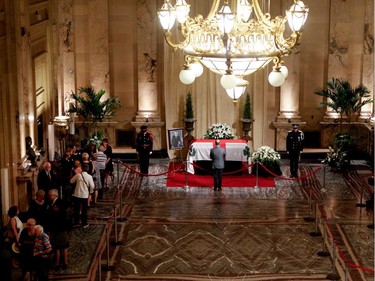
(178, 179)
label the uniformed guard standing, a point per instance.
(144, 144)
(294, 146)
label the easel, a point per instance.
(182, 161)
(178, 158)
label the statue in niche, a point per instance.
(150, 67)
(30, 151)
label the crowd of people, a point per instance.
(38, 241)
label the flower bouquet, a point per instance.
(269, 158)
(336, 159)
(219, 131)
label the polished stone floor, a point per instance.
(238, 234)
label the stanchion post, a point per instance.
(346, 272)
(108, 267)
(310, 217)
(119, 189)
(256, 174)
(324, 252)
(361, 204)
(100, 266)
(333, 275)
(186, 175)
(118, 172)
(316, 233)
(116, 242)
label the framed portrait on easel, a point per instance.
(176, 139)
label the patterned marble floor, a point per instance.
(238, 234)
(245, 233)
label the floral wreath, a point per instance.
(265, 155)
(219, 131)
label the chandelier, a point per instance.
(234, 40)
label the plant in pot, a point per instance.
(246, 118)
(189, 116)
(91, 109)
(347, 101)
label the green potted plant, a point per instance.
(189, 115)
(347, 101)
(90, 108)
(246, 117)
(343, 98)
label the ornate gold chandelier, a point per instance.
(234, 40)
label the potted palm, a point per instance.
(91, 109)
(189, 116)
(246, 118)
(347, 101)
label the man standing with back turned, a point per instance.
(294, 146)
(217, 154)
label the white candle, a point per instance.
(51, 142)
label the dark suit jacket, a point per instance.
(45, 183)
(217, 154)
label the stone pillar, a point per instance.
(149, 99)
(289, 102)
(65, 53)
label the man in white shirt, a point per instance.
(84, 186)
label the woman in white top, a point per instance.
(14, 229)
(84, 186)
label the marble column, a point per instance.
(148, 96)
(289, 102)
(65, 52)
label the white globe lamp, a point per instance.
(187, 76)
(284, 71)
(197, 68)
(276, 78)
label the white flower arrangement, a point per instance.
(266, 155)
(336, 158)
(219, 131)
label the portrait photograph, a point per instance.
(176, 138)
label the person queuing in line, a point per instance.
(294, 146)
(26, 243)
(109, 166)
(144, 145)
(84, 186)
(101, 162)
(5, 258)
(57, 228)
(13, 231)
(47, 179)
(42, 252)
(66, 166)
(75, 152)
(38, 208)
(97, 181)
(86, 162)
(217, 154)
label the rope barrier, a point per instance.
(341, 253)
(326, 226)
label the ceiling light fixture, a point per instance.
(235, 40)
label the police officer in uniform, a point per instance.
(294, 146)
(144, 144)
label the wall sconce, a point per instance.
(38, 16)
(23, 31)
